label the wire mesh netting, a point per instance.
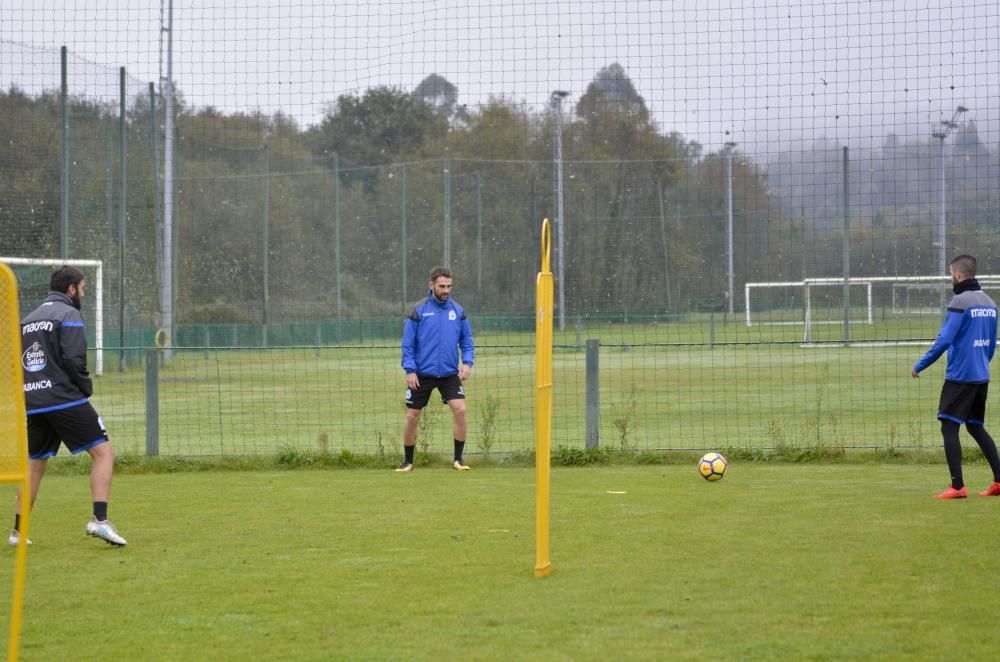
(753, 209)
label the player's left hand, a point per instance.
(464, 371)
(914, 373)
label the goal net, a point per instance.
(807, 302)
(814, 302)
(927, 295)
(33, 285)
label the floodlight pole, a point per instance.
(729, 222)
(167, 259)
(942, 135)
(556, 101)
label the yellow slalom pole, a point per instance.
(13, 439)
(20, 565)
(543, 402)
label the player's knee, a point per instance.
(413, 414)
(103, 452)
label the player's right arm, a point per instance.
(945, 337)
(73, 347)
(408, 347)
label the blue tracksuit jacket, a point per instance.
(969, 334)
(432, 335)
(54, 357)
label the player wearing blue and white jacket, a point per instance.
(433, 333)
(969, 335)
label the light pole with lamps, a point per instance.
(556, 101)
(948, 127)
(729, 222)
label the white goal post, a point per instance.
(807, 318)
(807, 285)
(97, 279)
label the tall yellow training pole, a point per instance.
(543, 402)
(13, 437)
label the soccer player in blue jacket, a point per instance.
(969, 334)
(434, 332)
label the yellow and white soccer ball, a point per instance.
(712, 466)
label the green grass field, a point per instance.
(776, 561)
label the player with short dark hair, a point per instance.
(433, 333)
(969, 334)
(57, 388)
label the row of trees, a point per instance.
(353, 212)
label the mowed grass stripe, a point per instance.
(802, 562)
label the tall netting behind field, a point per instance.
(97, 201)
(741, 197)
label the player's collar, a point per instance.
(966, 285)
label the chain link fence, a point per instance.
(765, 294)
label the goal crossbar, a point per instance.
(98, 267)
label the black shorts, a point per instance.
(450, 388)
(963, 403)
(79, 427)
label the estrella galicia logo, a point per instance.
(33, 358)
(451, 315)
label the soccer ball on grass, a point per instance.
(712, 466)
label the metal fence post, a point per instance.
(152, 402)
(265, 257)
(447, 214)
(122, 216)
(593, 433)
(847, 248)
(404, 244)
(64, 155)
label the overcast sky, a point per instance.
(768, 71)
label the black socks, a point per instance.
(987, 446)
(953, 452)
(409, 450)
(100, 514)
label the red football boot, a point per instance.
(992, 490)
(952, 493)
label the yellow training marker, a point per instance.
(543, 401)
(13, 437)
